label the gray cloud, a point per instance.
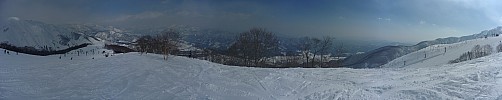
(53, 12)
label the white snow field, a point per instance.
(132, 76)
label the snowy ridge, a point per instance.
(148, 76)
(436, 55)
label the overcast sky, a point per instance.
(397, 20)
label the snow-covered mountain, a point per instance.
(383, 55)
(39, 35)
(109, 33)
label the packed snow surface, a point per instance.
(133, 76)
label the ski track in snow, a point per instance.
(148, 76)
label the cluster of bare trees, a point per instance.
(253, 45)
(476, 52)
(165, 43)
(499, 47)
(312, 47)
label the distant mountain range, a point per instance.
(220, 40)
(383, 55)
(39, 35)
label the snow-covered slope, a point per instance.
(383, 55)
(133, 76)
(441, 53)
(37, 34)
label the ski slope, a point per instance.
(133, 76)
(436, 55)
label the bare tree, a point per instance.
(487, 50)
(324, 47)
(143, 43)
(499, 47)
(305, 45)
(316, 47)
(164, 43)
(169, 41)
(338, 53)
(254, 45)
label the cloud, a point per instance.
(490, 8)
(139, 16)
(165, 1)
(422, 22)
(385, 19)
(13, 18)
(224, 20)
(341, 17)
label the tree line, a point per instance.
(40, 52)
(258, 44)
(252, 48)
(165, 43)
(476, 52)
